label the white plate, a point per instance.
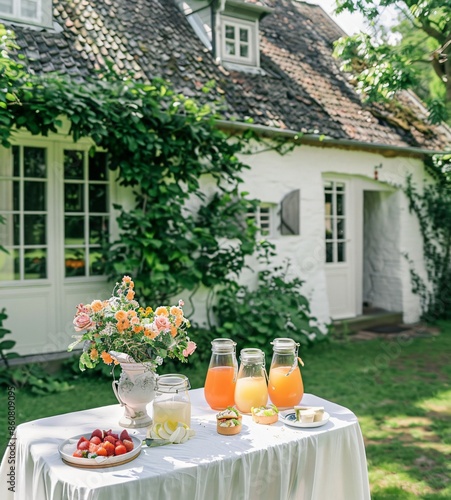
(288, 417)
(67, 448)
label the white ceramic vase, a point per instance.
(134, 391)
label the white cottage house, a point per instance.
(333, 205)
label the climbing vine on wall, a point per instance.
(432, 207)
(165, 148)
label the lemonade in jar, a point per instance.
(172, 403)
(251, 389)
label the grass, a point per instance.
(399, 389)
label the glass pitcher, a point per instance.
(172, 402)
(220, 382)
(285, 386)
(251, 389)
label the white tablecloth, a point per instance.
(274, 462)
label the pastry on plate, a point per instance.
(265, 414)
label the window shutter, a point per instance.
(290, 213)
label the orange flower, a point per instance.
(126, 279)
(161, 311)
(97, 305)
(120, 315)
(178, 321)
(176, 311)
(123, 325)
(107, 359)
(94, 354)
(150, 333)
(131, 313)
(130, 294)
(173, 330)
(137, 328)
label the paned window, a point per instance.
(239, 41)
(335, 221)
(263, 218)
(86, 216)
(27, 11)
(24, 208)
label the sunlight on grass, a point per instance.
(440, 403)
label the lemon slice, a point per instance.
(177, 435)
(170, 426)
(161, 431)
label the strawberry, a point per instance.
(84, 445)
(125, 435)
(81, 441)
(118, 443)
(78, 454)
(101, 451)
(93, 447)
(128, 443)
(120, 450)
(95, 440)
(109, 447)
(110, 439)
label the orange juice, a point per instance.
(220, 387)
(249, 392)
(285, 391)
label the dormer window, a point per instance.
(239, 41)
(35, 12)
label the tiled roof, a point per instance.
(302, 88)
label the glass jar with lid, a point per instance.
(285, 386)
(251, 388)
(221, 376)
(172, 402)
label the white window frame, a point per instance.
(264, 217)
(252, 28)
(55, 243)
(44, 13)
(334, 219)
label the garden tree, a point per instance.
(164, 147)
(384, 65)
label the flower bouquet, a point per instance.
(119, 329)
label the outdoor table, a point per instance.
(273, 462)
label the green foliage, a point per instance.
(167, 148)
(6, 345)
(416, 58)
(276, 308)
(433, 210)
(33, 378)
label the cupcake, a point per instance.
(229, 422)
(265, 414)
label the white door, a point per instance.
(56, 201)
(340, 240)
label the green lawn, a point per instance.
(399, 389)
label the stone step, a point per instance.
(370, 320)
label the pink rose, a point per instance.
(190, 348)
(81, 308)
(82, 322)
(162, 323)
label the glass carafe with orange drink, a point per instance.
(251, 387)
(285, 386)
(220, 382)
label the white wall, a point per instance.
(272, 176)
